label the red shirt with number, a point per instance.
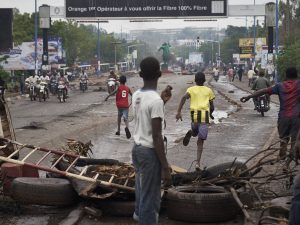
(122, 96)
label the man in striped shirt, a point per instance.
(201, 106)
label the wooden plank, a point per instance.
(178, 169)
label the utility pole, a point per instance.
(98, 51)
(98, 72)
(115, 45)
(35, 38)
(254, 41)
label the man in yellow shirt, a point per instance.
(201, 106)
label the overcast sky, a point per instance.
(125, 26)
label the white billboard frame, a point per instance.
(147, 18)
(246, 10)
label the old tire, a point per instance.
(215, 171)
(117, 207)
(201, 204)
(43, 191)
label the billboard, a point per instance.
(246, 50)
(120, 9)
(249, 42)
(22, 57)
(195, 58)
(246, 10)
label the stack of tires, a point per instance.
(43, 191)
(201, 204)
(204, 204)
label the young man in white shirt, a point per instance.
(251, 73)
(148, 154)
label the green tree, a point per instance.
(3, 74)
(23, 27)
(79, 41)
(290, 58)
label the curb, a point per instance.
(17, 97)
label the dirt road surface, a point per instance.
(237, 131)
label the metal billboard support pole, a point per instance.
(254, 40)
(276, 42)
(44, 13)
(35, 39)
(98, 52)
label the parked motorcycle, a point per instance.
(61, 91)
(32, 91)
(43, 93)
(262, 104)
(111, 85)
(83, 84)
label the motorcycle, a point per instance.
(111, 85)
(83, 84)
(53, 86)
(43, 93)
(262, 104)
(32, 91)
(216, 77)
(61, 91)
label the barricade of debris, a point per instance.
(107, 185)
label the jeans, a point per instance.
(147, 184)
(294, 217)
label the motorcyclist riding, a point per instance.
(65, 81)
(112, 77)
(31, 80)
(46, 80)
(53, 83)
(216, 74)
(83, 78)
(260, 83)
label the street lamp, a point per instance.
(35, 37)
(98, 50)
(212, 48)
(44, 12)
(115, 44)
(98, 40)
(128, 52)
(254, 40)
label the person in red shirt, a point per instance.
(122, 93)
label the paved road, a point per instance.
(87, 117)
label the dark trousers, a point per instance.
(294, 217)
(240, 77)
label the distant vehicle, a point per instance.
(43, 92)
(262, 105)
(61, 91)
(83, 84)
(32, 91)
(111, 85)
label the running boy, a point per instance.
(122, 104)
(201, 106)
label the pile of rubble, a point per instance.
(107, 185)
